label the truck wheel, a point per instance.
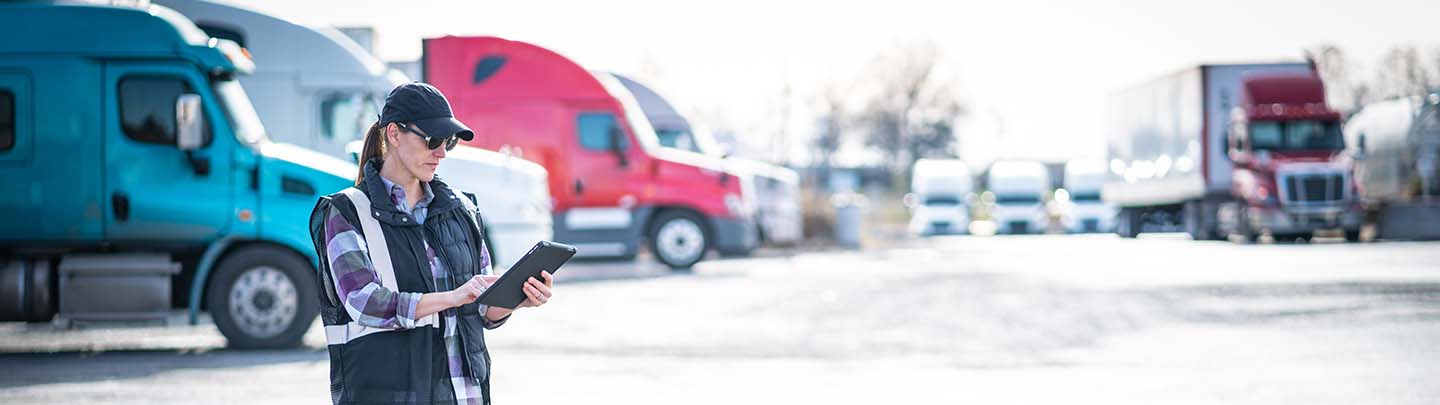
(263, 297)
(679, 239)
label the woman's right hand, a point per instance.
(470, 291)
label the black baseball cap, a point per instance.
(422, 105)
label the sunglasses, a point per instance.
(431, 141)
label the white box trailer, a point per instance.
(315, 87)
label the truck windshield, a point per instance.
(1296, 135)
(678, 139)
(1017, 199)
(942, 200)
(243, 119)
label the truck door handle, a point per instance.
(579, 187)
(120, 203)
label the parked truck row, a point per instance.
(167, 156)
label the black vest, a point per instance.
(405, 365)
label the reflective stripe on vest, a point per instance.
(379, 253)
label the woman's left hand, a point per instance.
(538, 293)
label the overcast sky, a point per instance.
(1034, 73)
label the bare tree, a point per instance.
(831, 129)
(1401, 73)
(1335, 68)
(912, 110)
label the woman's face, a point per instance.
(409, 150)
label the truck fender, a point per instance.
(202, 273)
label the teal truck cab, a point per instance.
(136, 178)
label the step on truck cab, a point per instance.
(939, 197)
(614, 186)
(1019, 188)
(139, 179)
(774, 190)
(317, 88)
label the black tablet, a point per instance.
(545, 256)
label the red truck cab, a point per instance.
(1291, 177)
(613, 185)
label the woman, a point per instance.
(403, 261)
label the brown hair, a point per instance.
(374, 147)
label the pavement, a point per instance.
(1006, 319)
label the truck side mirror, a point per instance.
(189, 123)
(617, 136)
(190, 131)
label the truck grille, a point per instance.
(1314, 188)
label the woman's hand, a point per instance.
(537, 293)
(470, 291)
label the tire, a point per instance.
(679, 239)
(263, 297)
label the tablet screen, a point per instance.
(507, 292)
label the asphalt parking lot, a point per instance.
(1024, 319)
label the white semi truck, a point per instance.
(1019, 188)
(1083, 211)
(940, 191)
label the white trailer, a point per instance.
(315, 87)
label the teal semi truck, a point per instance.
(137, 180)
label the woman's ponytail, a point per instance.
(374, 147)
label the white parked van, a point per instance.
(1019, 189)
(1081, 210)
(317, 88)
(938, 198)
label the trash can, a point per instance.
(849, 216)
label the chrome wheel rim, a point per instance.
(263, 302)
(680, 240)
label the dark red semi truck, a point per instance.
(1231, 150)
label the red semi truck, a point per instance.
(1231, 150)
(614, 186)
